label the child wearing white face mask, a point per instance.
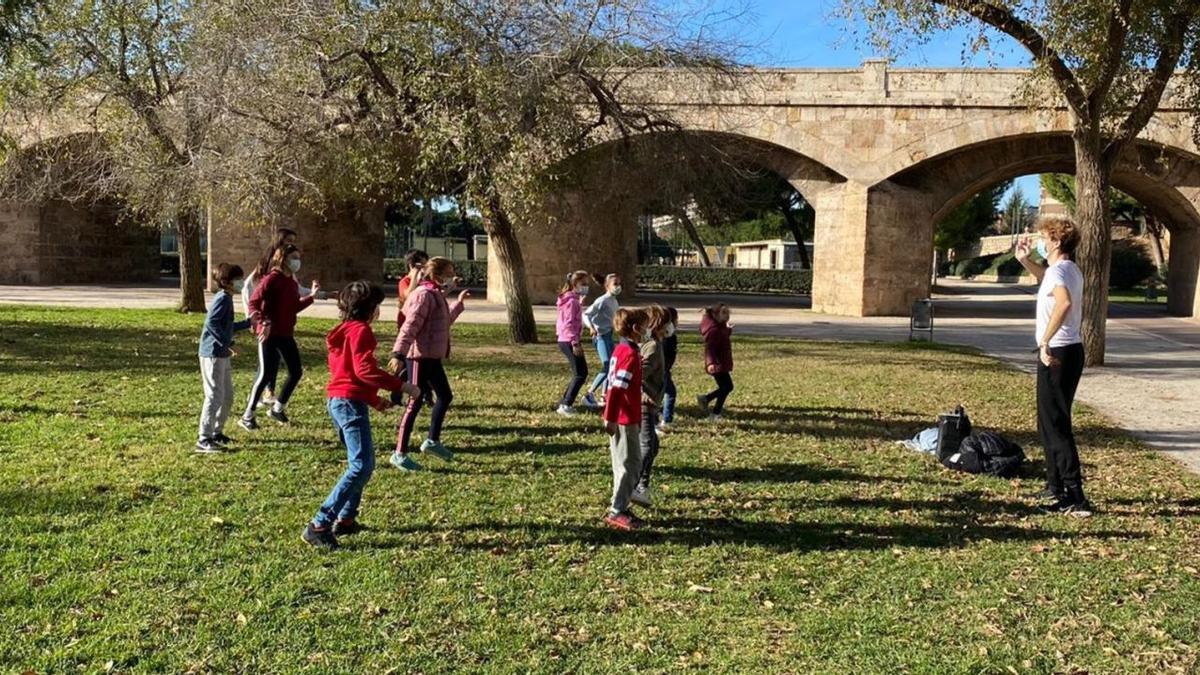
(569, 329)
(274, 308)
(599, 320)
(424, 339)
(216, 350)
(654, 370)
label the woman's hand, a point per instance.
(1023, 248)
(1047, 358)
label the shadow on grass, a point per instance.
(948, 532)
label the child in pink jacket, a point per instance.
(569, 330)
(425, 339)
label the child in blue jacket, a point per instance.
(216, 349)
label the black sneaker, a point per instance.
(206, 446)
(1069, 506)
(278, 415)
(323, 538)
(221, 440)
(248, 423)
(1049, 494)
(345, 528)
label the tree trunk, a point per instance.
(468, 233)
(793, 226)
(1093, 177)
(1154, 233)
(191, 267)
(694, 235)
(503, 241)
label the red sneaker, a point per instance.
(624, 521)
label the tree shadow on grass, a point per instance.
(951, 532)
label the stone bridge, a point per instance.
(881, 153)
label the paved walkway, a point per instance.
(1151, 385)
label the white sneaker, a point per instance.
(714, 418)
(565, 410)
(663, 427)
(640, 496)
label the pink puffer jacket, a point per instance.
(570, 318)
(427, 320)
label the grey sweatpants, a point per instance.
(626, 464)
(217, 374)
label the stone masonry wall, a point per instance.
(19, 227)
(90, 245)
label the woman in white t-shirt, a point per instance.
(1060, 359)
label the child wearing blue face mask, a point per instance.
(216, 350)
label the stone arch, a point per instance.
(1164, 178)
(61, 231)
(589, 218)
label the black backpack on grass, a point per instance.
(987, 453)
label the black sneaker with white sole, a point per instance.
(206, 446)
(221, 440)
(322, 538)
(1069, 506)
(248, 423)
(278, 415)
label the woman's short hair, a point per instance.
(358, 300)
(1061, 229)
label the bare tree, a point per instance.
(125, 71)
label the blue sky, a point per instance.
(806, 34)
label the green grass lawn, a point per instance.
(794, 537)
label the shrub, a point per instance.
(972, 267)
(662, 277)
(1131, 266)
(473, 272)
(1006, 265)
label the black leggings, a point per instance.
(1055, 394)
(429, 375)
(579, 373)
(270, 352)
(724, 387)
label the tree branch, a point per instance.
(1005, 21)
(1118, 31)
(1169, 55)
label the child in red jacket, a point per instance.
(623, 416)
(718, 358)
(355, 379)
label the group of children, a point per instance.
(637, 349)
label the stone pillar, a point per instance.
(1183, 293)
(340, 245)
(572, 232)
(873, 249)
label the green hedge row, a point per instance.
(661, 277)
(472, 272)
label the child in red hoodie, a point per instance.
(355, 379)
(718, 358)
(623, 416)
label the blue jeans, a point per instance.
(604, 349)
(353, 423)
(669, 396)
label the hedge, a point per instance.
(1131, 266)
(662, 277)
(472, 272)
